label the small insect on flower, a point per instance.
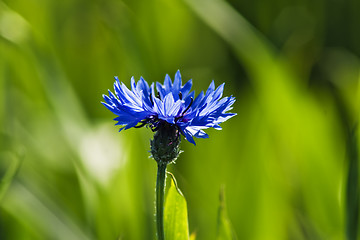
(173, 107)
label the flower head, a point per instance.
(169, 105)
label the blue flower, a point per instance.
(172, 105)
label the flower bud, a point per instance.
(165, 147)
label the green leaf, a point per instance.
(9, 176)
(175, 216)
(224, 229)
(352, 189)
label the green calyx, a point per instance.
(165, 147)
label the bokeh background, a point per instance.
(288, 161)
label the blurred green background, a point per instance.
(288, 160)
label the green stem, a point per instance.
(160, 192)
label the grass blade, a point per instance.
(224, 229)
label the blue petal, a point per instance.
(167, 84)
(131, 124)
(144, 90)
(218, 92)
(197, 100)
(110, 107)
(177, 85)
(152, 93)
(211, 88)
(168, 104)
(107, 99)
(201, 134)
(113, 100)
(186, 88)
(158, 107)
(161, 90)
(188, 136)
(169, 109)
(133, 85)
(143, 85)
(189, 97)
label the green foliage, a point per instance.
(352, 191)
(286, 159)
(175, 217)
(9, 174)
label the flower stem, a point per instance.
(160, 192)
